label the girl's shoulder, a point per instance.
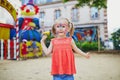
(69, 37)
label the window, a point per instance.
(94, 13)
(36, 1)
(75, 14)
(42, 1)
(57, 14)
(49, 0)
(56, 0)
(24, 2)
(42, 14)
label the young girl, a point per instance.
(61, 47)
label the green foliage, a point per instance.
(116, 39)
(78, 43)
(49, 37)
(92, 3)
(65, 0)
(87, 46)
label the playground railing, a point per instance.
(8, 49)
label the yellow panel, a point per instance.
(4, 33)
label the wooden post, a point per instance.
(98, 32)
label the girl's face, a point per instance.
(61, 28)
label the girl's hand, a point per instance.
(44, 37)
(87, 55)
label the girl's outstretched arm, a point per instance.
(45, 49)
(77, 50)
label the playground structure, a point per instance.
(24, 27)
(28, 25)
(8, 49)
(6, 37)
(6, 31)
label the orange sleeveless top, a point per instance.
(62, 56)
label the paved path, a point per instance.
(98, 67)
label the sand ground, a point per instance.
(98, 67)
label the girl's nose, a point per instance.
(60, 27)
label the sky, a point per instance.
(113, 15)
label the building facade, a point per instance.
(83, 18)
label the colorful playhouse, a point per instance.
(25, 27)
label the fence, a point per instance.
(8, 49)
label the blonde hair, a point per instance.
(70, 25)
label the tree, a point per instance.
(92, 3)
(116, 39)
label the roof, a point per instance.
(6, 25)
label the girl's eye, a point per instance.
(58, 26)
(63, 26)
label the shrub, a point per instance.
(87, 46)
(116, 39)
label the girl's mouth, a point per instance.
(60, 32)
